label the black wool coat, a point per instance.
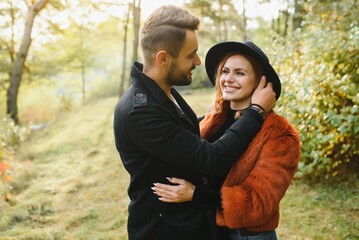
(155, 140)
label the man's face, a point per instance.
(180, 72)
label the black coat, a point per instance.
(155, 140)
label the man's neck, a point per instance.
(160, 78)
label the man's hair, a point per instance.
(165, 29)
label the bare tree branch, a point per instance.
(39, 5)
(28, 3)
(2, 85)
(9, 48)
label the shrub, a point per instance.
(10, 137)
(319, 69)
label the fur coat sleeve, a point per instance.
(258, 181)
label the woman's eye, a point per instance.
(240, 73)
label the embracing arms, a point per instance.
(158, 134)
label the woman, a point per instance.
(248, 200)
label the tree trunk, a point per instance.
(19, 64)
(222, 25)
(123, 76)
(83, 76)
(12, 44)
(83, 63)
(278, 22)
(298, 12)
(244, 30)
(286, 20)
(136, 28)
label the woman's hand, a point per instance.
(181, 192)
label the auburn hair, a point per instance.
(219, 103)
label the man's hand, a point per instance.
(264, 95)
(182, 192)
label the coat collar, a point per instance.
(213, 121)
(141, 79)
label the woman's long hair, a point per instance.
(220, 104)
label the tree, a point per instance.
(136, 18)
(33, 9)
(290, 16)
(299, 12)
(136, 5)
(81, 52)
(121, 88)
(244, 22)
(220, 19)
(10, 14)
(134, 11)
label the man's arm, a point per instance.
(157, 133)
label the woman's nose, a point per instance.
(229, 77)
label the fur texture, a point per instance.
(254, 187)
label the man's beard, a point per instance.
(177, 78)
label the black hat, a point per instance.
(217, 52)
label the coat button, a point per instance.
(208, 213)
(160, 215)
(204, 180)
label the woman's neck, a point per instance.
(239, 106)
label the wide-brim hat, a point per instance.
(219, 51)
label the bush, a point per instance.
(10, 137)
(319, 69)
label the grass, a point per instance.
(69, 183)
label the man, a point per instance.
(157, 133)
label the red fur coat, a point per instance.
(259, 179)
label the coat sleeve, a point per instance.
(206, 198)
(254, 202)
(158, 134)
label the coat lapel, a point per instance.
(185, 112)
(214, 121)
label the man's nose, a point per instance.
(197, 60)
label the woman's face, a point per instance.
(237, 81)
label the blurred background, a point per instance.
(65, 63)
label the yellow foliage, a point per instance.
(2, 154)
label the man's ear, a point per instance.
(162, 58)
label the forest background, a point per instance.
(60, 59)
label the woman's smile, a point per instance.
(231, 88)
